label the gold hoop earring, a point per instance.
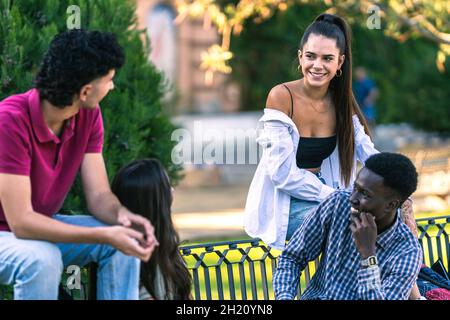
(338, 74)
(299, 69)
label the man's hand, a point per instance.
(139, 223)
(407, 215)
(364, 231)
(128, 241)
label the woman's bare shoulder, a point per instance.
(279, 99)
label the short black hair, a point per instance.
(397, 170)
(74, 59)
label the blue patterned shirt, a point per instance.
(340, 275)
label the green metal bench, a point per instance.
(243, 269)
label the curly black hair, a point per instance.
(397, 170)
(74, 59)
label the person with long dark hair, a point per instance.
(143, 187)
(314, 133)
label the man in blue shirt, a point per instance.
(367, 252)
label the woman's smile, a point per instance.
(317, 75)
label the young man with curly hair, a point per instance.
(47, 135)
(367, 252)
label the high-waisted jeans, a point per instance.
(298, 210)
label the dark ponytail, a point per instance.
(335, 27)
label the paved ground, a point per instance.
(212, 213)
(207, 199)
(211, 226)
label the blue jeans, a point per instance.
(298, 210)
(34, 267)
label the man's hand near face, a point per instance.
(364, 231)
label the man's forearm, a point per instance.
(286, 279)
(105, 207)
(369, 284)
(37, 226)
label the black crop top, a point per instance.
(312, 151)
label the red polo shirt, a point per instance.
(28, 147)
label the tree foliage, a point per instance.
(399, 19)
(412, 89)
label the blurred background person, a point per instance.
(366, 93)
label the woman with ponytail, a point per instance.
(143, 186)
(313, 135)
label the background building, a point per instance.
(176, 50)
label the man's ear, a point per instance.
(393, 205)
(85, 91)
